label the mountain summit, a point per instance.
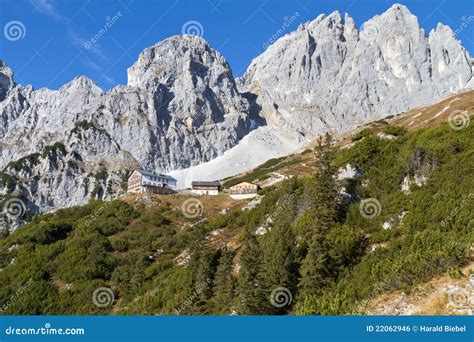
(328, 75)
(190, 78)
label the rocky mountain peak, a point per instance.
(330, 76)
(398, 10)
(176, 57)
(82, 84)
(397, 19)
(189, 77)
(444, 30)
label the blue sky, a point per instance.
(48, 42)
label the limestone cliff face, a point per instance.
(328, 75)
(182, 107)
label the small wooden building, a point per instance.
(141, 181)
(205, 188)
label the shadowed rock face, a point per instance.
(328, 75)
(181, 106)
(6, 80)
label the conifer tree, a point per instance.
(224, 284)
(325, 193)
(250, 298)
(204, 279)
(280, 269)
(315, 269)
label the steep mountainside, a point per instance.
(182, 107)
(329, 76)
(455, 109)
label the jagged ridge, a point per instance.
(181, 106)
(328, 75)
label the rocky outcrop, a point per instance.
(329, 76)
(348, 172)
(6, 80)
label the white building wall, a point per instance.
(242, 196)
(157, 181)
(205, 192)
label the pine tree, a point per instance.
(323, 215)
(325, 193)
(316, 269)
(224, 284)
(204, 279)
(250, 297)
(280, 269)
